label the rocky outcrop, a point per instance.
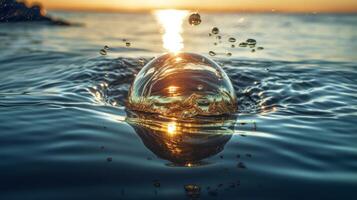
(13, 11)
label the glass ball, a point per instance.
(182, 85)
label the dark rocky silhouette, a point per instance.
(13, 11)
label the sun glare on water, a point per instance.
(171, 23)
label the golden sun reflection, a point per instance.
(172, 90)
(171, 22)
(171, 128)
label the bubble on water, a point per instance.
(211, 53)
(260, 48)
(233, 46)
(215, 30)
(127, 44)
(103, 52)
(229, 54)
(106, 47)
(194, 19)
(243, 44)
(232, 39)
(193, 85)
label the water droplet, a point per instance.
(209, 34)
(243, 44)
(260, 48)
(229, 54)
(233, 46)
(253, 50)
(127, 44)
(241, 165)
(192, 191)
(215, 43)
(141, 61)
(103, 52)
(251, 42)
(215, 30)
(156, 183)
(211, 53)
(200, 87)
(232, 39)
(194, 19)
(219, 37)
(106, 47)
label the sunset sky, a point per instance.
(221, 5)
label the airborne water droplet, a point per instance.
(215, 30)
(200, 87)
(211, 53)
(229, 54)
(106, 47)
(232, 39)
(251, 42)
(243, 44)
(253, 50)
(233, 46)
(141, 61)
(127, 44)
(103, 52)
(194, 19)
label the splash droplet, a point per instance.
(141, 61)
(194, 19)
(127, 44)
(232, 39)
(211, 53)
(106, 47)
(103, 52)
(251, 42)
(243, 44)
(215, 30)
(199, 86)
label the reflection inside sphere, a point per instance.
(182, 85)
(183, 143)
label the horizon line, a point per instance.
(118, 10)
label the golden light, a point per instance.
(171, 22)
(172, 90)
(171, 128)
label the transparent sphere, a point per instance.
(182, 85)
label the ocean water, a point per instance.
(65, 132)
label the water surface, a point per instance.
(63, 117)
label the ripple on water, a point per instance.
(296, 120)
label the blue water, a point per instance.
(65, 134)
